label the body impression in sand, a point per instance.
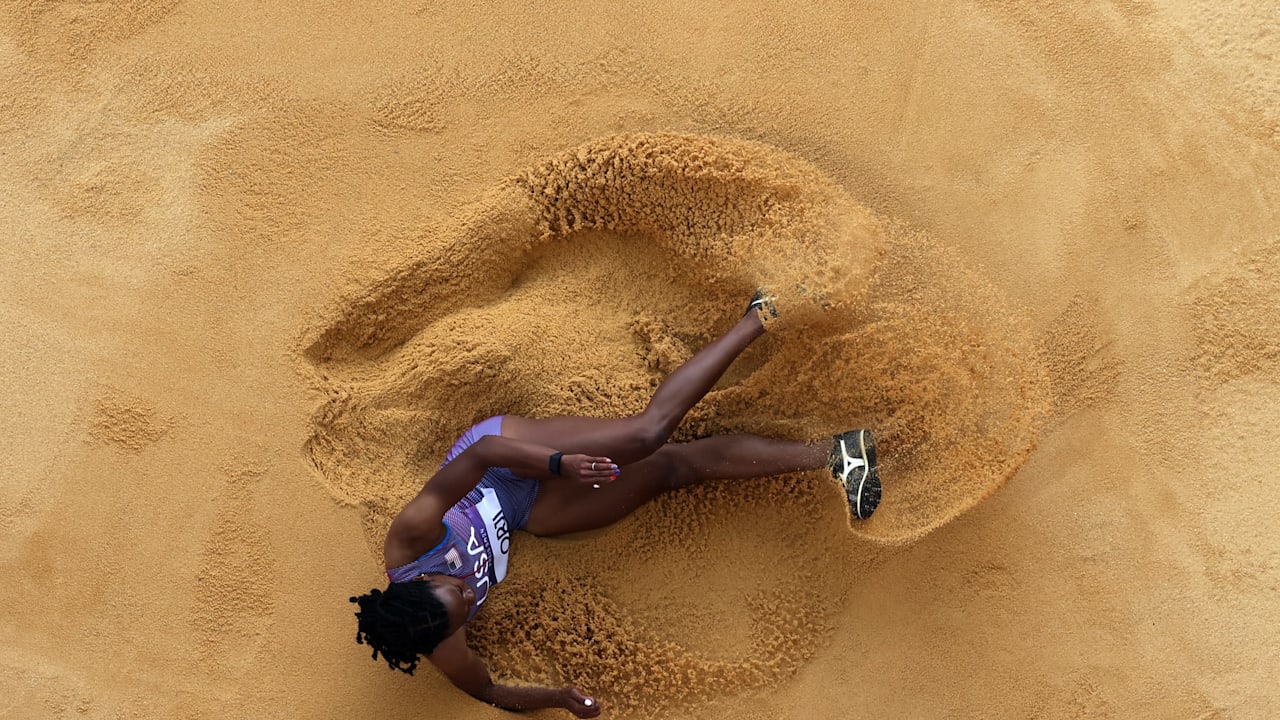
(572, 291)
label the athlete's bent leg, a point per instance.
(628, 440)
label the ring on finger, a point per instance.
(593, 466)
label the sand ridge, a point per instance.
(725, 216)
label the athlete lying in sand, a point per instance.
(449, 545)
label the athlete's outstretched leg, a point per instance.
(741, 457)
(627, 440)
(565, 507)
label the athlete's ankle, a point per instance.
(762, 305)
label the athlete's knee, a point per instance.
(648, 435)
(676, 468)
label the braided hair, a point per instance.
(404, 621)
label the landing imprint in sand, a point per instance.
(585, 272)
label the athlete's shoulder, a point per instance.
(419, 527)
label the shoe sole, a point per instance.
(763, 303)
(862, 480)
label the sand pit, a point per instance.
(264, 262)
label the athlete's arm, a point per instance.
(459, 477)
(532, 460)
(466, 670)
(419, 526)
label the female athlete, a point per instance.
(450, 545)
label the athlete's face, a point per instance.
(456, 596)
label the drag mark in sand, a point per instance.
(127, 422)
(234, 597)
(1234, 316)
(65, 34)
(1082, 370)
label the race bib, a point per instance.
(495, 524)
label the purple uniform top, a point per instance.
(477, 541)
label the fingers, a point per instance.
(594, 471)
(598, 469)
(582, 705)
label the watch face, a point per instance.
(454, 559)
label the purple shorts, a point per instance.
(515, 493)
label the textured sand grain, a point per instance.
(262, 263)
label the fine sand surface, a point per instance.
(261, 263)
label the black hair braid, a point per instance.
(405, 621)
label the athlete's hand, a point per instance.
(579, 469)
(579, 704)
